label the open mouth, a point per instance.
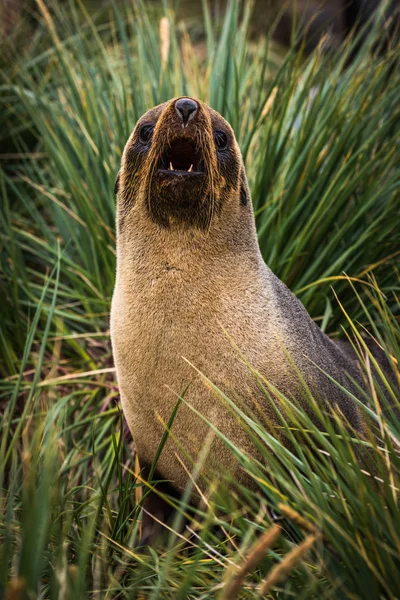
(181, 158)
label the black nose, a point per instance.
(185, 109)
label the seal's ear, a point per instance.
(244, 189)
(116, 185)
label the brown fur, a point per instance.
(189, 271)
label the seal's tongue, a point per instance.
(181, 156)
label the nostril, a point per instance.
(186, 109)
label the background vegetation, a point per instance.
(320, 137)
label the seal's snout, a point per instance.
(181, 158)
(186, 109)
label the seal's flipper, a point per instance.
(156, 512)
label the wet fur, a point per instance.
(187, 279)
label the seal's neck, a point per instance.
(231, 236)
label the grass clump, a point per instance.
(321, 145)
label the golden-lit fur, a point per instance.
(188, 286)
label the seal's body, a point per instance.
(191, 285)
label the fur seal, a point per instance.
(189, 272)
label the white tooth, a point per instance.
(171, 168)
(190, 168)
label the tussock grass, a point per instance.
(321, 145)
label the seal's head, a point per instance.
(182, 162)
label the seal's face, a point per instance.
(183, 161)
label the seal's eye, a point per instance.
(220, 139)
(146, 132)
